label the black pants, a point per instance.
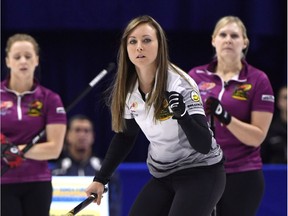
(26, 199)
(189, 192)
(242, 195)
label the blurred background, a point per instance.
(78, 39)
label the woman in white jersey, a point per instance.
(153, 95)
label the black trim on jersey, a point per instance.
(120, 146)
(198, 134)
(142, 94)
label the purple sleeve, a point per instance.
(55, 110)
(264, 97)
(193, 75)
(196, 72)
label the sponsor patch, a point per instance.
(5, 106)
(195, 96)
(133, 106)
(205, 86)
(133, 109)
(269, 98)
(60, 110)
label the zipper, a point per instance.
(19, 110)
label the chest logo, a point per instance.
(205, 86)
(241, 91)
(5, 106)
(164, 113)
(35, 108)
(133, 106)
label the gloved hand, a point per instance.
(176, 103)
(214, 107)
(10, 153)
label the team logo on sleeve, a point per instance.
(195, 102)
(269, 98)
(35, 108)
(60, 110)
(165, 112)
(195, 96)
(240, 92)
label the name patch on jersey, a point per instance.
(35, 108)
(269, 98)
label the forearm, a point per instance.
(198, 134)
(120, 146)
(43, 151)
(254, 133)
(55, 134)
(246, 133)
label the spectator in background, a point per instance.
(27, 108)
(79, 160)
(274, 148)
(240, 99)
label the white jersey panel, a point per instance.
(169, 148)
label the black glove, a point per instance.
(214, 107)
(176, 103)
(10, 153)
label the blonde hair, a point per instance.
(126, 73)
(232, 19)
(21, 37)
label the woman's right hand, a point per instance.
(96, 188)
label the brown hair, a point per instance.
(126, 73)
(21, 37)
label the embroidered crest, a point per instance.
(35, 108)
(240, 92)
(165, 112)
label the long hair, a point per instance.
(126, 73)
(232, 19)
